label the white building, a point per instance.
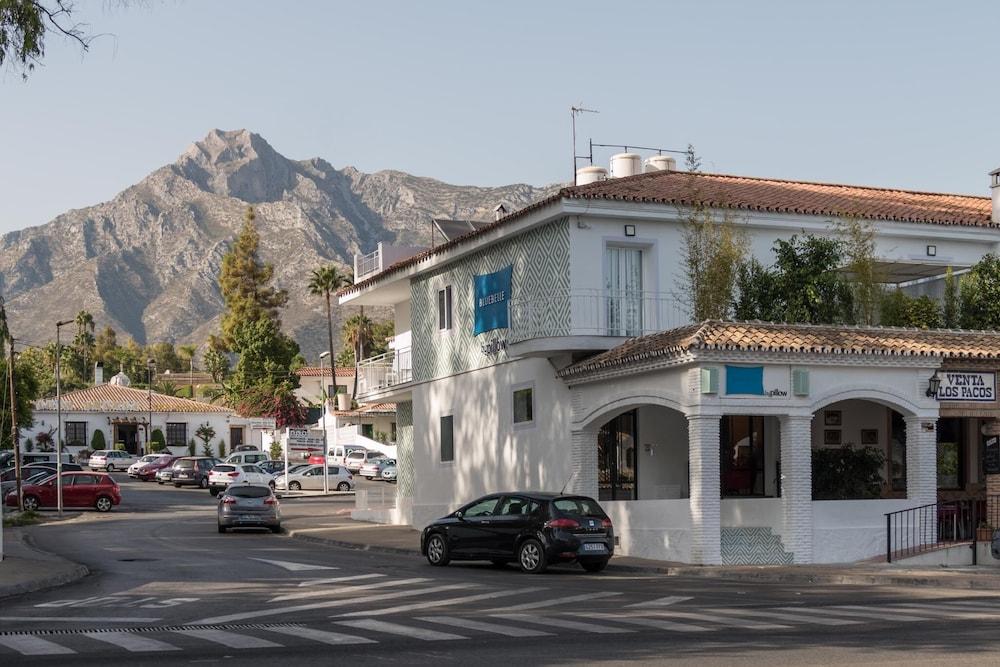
(586, 373)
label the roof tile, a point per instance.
(116, 398)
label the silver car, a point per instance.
(311, 478)
(249, 506)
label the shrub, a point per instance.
(97, 440)
(158, 442)
(191, 447)
(276, 451)
(222, 449)
(120, 446)
(847, 473)
(28, 445)
(84, 455)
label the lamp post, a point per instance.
(326, 400)
(59, 437)
(150, 373)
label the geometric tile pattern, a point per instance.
(404, 449)
(753, 546)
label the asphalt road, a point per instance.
(167, 588)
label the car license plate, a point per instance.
(594, 546)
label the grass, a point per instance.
(25, 518)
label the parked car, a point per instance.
(10, 473)
(249, 506)
(272, 467)
(373, 469)
(29, 475)
(27, 458)
(6, 459)
(531, 529)
(254, 456)
(311, 477)
(80, 489)
(245, 448)
(225, 474)
(148, 458)
(358, 458)
(337, 454)
(194, 470)
(165, 475)
(149, 471)
(389, 473)
(111, 460)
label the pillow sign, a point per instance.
(967, 386)
(492, 293)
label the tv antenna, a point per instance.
(574, 112)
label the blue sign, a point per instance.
(492, 292)
(745, 380)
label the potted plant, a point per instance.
(984, 533)
(343, 400)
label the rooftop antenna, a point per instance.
(574, 112)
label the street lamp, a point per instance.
(150, 373)
(326, 400)
(933, 385)
(59, 437)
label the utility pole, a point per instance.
(13, 426)
(59, 427)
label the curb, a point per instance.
(75, 573)
(298, 534)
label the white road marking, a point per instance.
(860, 612)
(74, 619)
(562, 623)
(334, 580)
(495, 628)
(403, 630)
(938, 611)
(230, 639)
(399, 609)
(970, 605)
(322, 636)
(131, 642)
(278, 611)
(785, 616)
(660, 602)
(348, 590)
(658, 623)
(555, 601)
(706, 618)
(29, 645)
(295, 567)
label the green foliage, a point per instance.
(157, 443)
(28, 445)
(902, 310)
(26, 389)
(120, 446)
(712, 253)
(217, 363)
(166, 357)
(950, 308)
(847, 473)
(191, 447)
(979, 295)
(25, 518)
(323, 282)
(206, 449)
(375, 337)
(222, 449)
(857, 245)
(97, 440)
(276, 451)
(24, 24)
(757, 293)
(205, 433)
(272, 400)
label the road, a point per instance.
(167, 588)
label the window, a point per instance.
(84, 480)
(485, 507)
(176, 434)
(524, 405)
(742, 455)
(897, 452)
(448, 439)
(950, 453)
(392, 431)
(76, 433)
(341, 389)
(368, 430)
(512, 506)
(444, 308)
(623, 282)
(616, 459)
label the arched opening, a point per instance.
(642, 454)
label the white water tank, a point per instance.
(586, 175)
(625, 164)
(660, 163)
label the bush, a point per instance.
(84, 455)
(120, 446)
(28, 445)
(847, 473)
(97, 440)
(25, 518)
(158, 443)
(276, 452)
(191, 447)
(222, 449)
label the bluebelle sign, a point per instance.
(967, 386)
(492, 294)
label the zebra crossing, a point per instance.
(412, 623)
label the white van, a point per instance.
(255, 456)
(338, 454)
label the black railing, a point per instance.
(920, 529)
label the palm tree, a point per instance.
(358, 330)
(84, 337)
(324, 281)
(187, 352)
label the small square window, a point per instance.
(932, 251)
(447, 438)
(444, 308)
(524, 405)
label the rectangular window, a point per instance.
(447, 438)
(950, 453)
(524, 406)
(616, 458)
(742, 462)
(623, 283)
(176, 434)
(444, 308)
(897, 449)
(76, 433)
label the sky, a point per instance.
(894, 94)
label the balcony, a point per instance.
(384, 256)
(591, 319)
(380, 376)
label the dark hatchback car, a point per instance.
(532, 529)
(192, 470)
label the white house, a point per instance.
(552, 349)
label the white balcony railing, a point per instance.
(583, 312)
(395, 367)
(367, 265)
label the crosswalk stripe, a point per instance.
(131, 642)
(786, 616)
(322, 636)
(661, 602)
(399, 609)
(887, 613)
(327, 604)
(562, 623)
(861, 612)
(29, 645)
(658, 623)
(989, 606)
(556, 601)
(230, 639)
(706, 618)
(399, 629)
(495, 628)
(940, 611)
(347, 590)
(334, 580)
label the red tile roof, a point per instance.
(116, 398)
(742, 193)
(799, 338)
(369, 409)
(315, 371)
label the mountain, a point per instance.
(146, 262)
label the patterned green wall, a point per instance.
(540, 258)
(404, 449)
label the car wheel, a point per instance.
(369, 478)
(531, 557)
(275, 529)
(294, 486)
(437, 551)
(343, 486)
(159, 482)
(203, 483)
(214, 492)
(30, 503)
(222, 528)
(103, 504)
(110, 467)
(594, 565)
(176, 485)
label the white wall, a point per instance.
(753, 513)
(656, 529)
(846, 531)
(665, 473)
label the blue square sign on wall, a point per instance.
(745, 380)
(492, 294)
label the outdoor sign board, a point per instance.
(262, 423)
(967, 386)
(491, 295)
(991, 454)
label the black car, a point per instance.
(532, 529)
(192, 470)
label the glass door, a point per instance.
(623, 284)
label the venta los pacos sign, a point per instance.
(967, 386)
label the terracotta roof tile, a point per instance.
(370, 409)
(800, 338)
(116, 398)
(315, 371)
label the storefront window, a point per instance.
(742, 452)
(616, 459)
(950, 451)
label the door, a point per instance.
(235, 437)
(513, 519)
(83, 491)
(127, 434)
(472, 535)
(623, 285)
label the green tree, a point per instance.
(357, 332)
(166, 357)
(24, 24)
(105, 344)
(857, 245)
(325, 281)
(379, 333)
(187, 354)
(205, 433)
(265, 354)
(712, 252)
(757, 293)
(157, 443)
(979, 295)
(216, 363)
(97, 440)
(167, 388)
(902, 310)
(950, 316)
(83, 344)
(275, 450)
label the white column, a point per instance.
(583, 462)
(921, 460)
(705, 501)
(796, 486)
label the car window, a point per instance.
(579, 507)
(333, 470)
(81, 480)
(251, 468)
(183, 464)
(514, 506)
(485, 507)
(224, 468)
(249, 491)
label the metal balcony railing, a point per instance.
(395, 367)
(367, 265)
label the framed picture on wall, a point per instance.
(869, 436)
(832, 418)
(831, 436)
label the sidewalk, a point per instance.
(25, 569)
(336, 528)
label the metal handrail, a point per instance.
(916, 530)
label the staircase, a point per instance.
(753, 546)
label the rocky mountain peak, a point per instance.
(239, 164)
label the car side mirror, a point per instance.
(460, 515)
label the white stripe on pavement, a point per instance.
(706, 618)
(658, 623)
(230, 639)
(131, 642)
(399, 609)
(348, 590)
(940, 611)
(30, 645)
(403, 630)
(785, 616)
(860, 612)
(480, 626)
(95, 619)
(970, 605)
(555, 601)
(661, 602)
(322, 636)
(334, 580)
(562, 623)
(279, 611)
